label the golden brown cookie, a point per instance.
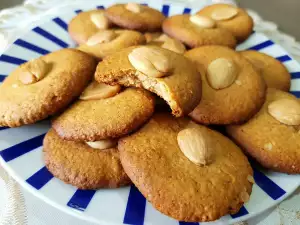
(273, 71)
(232, 90)
(101, 117)
(174, 184)
(273, 143)
(133, 16)
(166, 73)
(232, 18)
(86, 24)
(44, 86)
(109, 41)
(80, 165)
(197, 32)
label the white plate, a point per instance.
(21, 151)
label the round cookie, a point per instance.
(133, 16)
(27, 97)
(183, 29)
(232, 18)
(110, 41)
(273, 71)
(86, 24)
(112, 117)
(78, 164)
(180, 86)
(178, 187)
(273, 144)
(233, 104)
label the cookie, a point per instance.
(133, 16)
(273, 71)
(272, 136)
(96, 116)
(195, 31)
(168, 74)
(232, 18)
(107, 42)
(44, 86)
(186, 188)
(86, 24)
(232, 90)
(80, 165)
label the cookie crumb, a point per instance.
(268, 146)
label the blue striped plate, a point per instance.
(21, 148)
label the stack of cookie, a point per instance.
(110, 127)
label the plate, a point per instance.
(21, 148)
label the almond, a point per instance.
(103, 144)
(196, 145)
(101, 37)
(224, 13)
(133, 7)
(250, 179)
(100, 20)
(221, 73)
(97, 91)
(150, 61)
(202, 21)
(33, 71)
(174, 45)
(286, 111)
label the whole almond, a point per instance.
(286, 111)
(101, 37)
(33, 71)
(174, 45)
(202, 21)
(152, 62)
(103, 144)
(133, 7)
(224, 13)
(96, 91)
(100, 20)
(196, 145)
(221, 73)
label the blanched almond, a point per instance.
(103, 144)
(101, 37)
(224, 13)
(100, 20)
(133, 7)
(174, 45)
(97, 91)
(202, 21)
(33, 71)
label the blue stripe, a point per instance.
(50, 37)
(267, 185)
(284, 58)
(295, 75)
(135, 209)
(187, 223)
(3, 128)
(187, 11)
(12, 60)
(100, 7)
(296, 93)
(31, 47)
(243, 211)
(145, 4)
(165, 10)
(78, 11)
(81, 199)
(2, 77)
(22, 148)
(261, 45)
(61, 23)
(40, 178)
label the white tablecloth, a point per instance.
(19, 207)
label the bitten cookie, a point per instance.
(44, 86)
(195, 31)
(80, 165)
(232, 18)
(187, 171)
(107, 42)
(103, 112)
(134, 16)
(272, 136)
(232, 90)
(273, 71)
(86, 24)
(166, 73)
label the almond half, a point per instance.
(133, 7)
(174, 45)
(96, 91)
(103, 144)
(224, 13)
(33, 71)
(101, 37)
(202, 21)
(100, 20)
